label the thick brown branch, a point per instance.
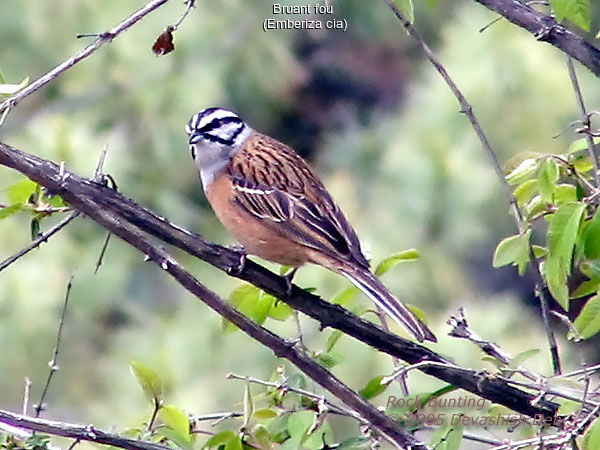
(81, 432)
(545, 28)
(111, 209)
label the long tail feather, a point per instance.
(378, 293)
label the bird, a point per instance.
(272, 202)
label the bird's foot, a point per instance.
(238, 268)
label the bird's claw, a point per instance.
(241, 263)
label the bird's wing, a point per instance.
(278, 187)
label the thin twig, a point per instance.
(460, 329)
(467, 109)
(53, 364)
(189, 5)
(74, 444)
(26, 395)
(102, 252)
(43, 237)
(397, 364)
(157, 407)
(286, 387)
(102, 39)
(585, 119)
(75, 431)
(585, 371)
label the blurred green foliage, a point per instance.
(373, 117)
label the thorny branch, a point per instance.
(112, 210)
(547, 29)
(81, 432)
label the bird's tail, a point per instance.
(378, 293)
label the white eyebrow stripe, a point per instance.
(218, 114)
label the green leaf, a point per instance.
(10, 89)
(583, 164)
(389, 262)
(175, 419)
(299, 422)
(373, 388)
(21, 191)
(576, 11)
(587, 322)
(35, 228)
(522, 357)
(591, 438)
(250, 301)
(406, 9)
(565, 193)
(557, 282)
(592, 237)
(524, 171)
(332, 339)
(512, 250)
(586, 288)
(568, 407)
(355, 443)
(525, 191)
(329, 359)
(234, 444)
(148, 380)
(262, 436)
(562, 234)
(539, 251)
(264, 413)
(278, 309)
(535, 206)
(547, 178)
(346, 296)
(590, 269)
(447, 437)
(580, 144)
(10, 210)
(221, 438)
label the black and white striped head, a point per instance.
(215, 135)
(217, 125)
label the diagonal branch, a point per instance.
(545, 28)
(80, 432)
(377, 419)
(112, 210)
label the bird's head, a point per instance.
(215, 135)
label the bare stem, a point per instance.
(53, 364)
(585, 119)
